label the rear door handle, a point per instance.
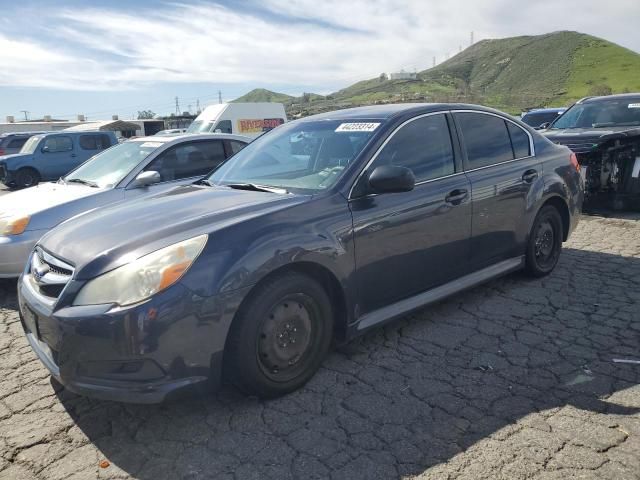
(457, 196)
(529, 176)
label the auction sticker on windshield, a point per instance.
(151, 145)
(634, 105)
(357, 127)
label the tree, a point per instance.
(383, 77)
(145, 114)
(600, 90)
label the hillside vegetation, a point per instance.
(512, 74)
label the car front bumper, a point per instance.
(137, 354)
(15, 251)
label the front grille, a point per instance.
(49, 274)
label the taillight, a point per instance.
(574, 162)
(1, 151)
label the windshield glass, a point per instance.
(109, 167)
(31, 144)
(608, 113)
(199, 126)
(301, 156)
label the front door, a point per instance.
(57, 157)
(409, 242)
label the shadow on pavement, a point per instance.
(408, 396)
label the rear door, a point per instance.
(504, 172)
(409, 242)
(91, 144)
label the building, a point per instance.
(402, 75)
(46, 124)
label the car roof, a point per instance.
(634, 97)
(388, 111)
(191, 136)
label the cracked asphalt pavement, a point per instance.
(514, 379)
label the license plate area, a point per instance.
(30, 321)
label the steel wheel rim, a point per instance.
(545, 244)
(285, 339)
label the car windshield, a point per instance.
(109, 167)
(31, 144)
(601, 114)
(200, 126)
(306, 157)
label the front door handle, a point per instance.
(529, 176)
(457, 196)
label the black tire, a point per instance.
(280, 336)
(27, 177)
(545, 242)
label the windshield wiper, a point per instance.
(83, 182)
(204, 181)
(256, 188)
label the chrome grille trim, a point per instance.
(47, 271)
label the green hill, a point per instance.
(264, 95)
(512, 74)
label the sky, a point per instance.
(100, 58)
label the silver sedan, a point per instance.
(126, 171)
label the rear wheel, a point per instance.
(545, 242)
(280, 336)
(27, 177)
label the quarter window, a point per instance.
(486, 139)
(519, 141)
(224, 126)
(188, 160)
(236, 146)
(424, 146)
(58, 144)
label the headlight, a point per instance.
(13, 225)
(144, 277)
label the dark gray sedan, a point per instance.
(321, 229)
(123, 172)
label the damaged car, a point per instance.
(604, 133)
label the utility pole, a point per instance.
(177, 107)
(459, 48)
(219, 96)
(198, 106)
(189, 108)
(26, 114)
(471, 38)
(434, 61)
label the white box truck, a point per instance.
(248, 119)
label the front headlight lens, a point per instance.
(13, 225)
(144, 277)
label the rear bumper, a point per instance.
(138, 354)
(15, 251)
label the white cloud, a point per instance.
(333, 43)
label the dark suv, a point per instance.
(11, 143)
(321, 229)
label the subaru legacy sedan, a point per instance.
(319, 230)
(138, 167)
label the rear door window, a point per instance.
(194, 159)
(94, 142)
(486, 139)
(424, 146)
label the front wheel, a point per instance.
(280, 336)
(545, 242)
(27, 177)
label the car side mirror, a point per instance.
(144, 179)
(391, 179)
(544, 126)
(45, 149)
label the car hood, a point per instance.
(107, 238)
(584, 139)
(40, 198)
